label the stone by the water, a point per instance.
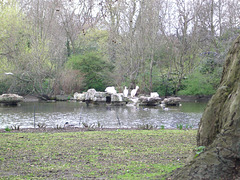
(172, 101)
(100, 97)
(149, 101)
(90, 94)
(96, 97)
(79, 96)
(10, 99)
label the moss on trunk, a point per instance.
(219, 128)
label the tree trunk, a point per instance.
(219, 128)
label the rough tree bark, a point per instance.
(219, 128)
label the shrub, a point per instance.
(68, 81)
(146, 127)
(4, 85)
(96, 71)
(179, 126)
(7, 129)
(197, 84)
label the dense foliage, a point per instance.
(197, 84)
(172, 47)
(95, 70)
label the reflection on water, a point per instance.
(53, 114)
(192, 107)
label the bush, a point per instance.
(161, 83)
(164, 87)
(96, 71)
(197, 84)
(68, 81)
(4, 86)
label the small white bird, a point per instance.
(154, 95)
(111, 90)
(125, 92)
(134, 91)
(9, 73)
(165, 109)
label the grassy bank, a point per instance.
(122, 154)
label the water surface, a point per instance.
(53, 114)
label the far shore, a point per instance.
(76, 129)
(187, 98)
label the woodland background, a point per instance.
(173, 47)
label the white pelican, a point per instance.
(134, 91)
(111, 90)
(125, 92)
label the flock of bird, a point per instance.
(112, 90)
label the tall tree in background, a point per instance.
(121, 18)
(15, 42)
(158, 45)
(45, 52)
(48, 37)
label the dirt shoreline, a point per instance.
(69, 129)
(66, 129)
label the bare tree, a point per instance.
(49, 34)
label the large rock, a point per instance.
(100, 97)
(172, 101)
(89, 96)
(132, 101)
(117, 97)
(149, 101)
(79, 96)
(10, 99)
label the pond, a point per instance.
(57, 114)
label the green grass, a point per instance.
(123, 154)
